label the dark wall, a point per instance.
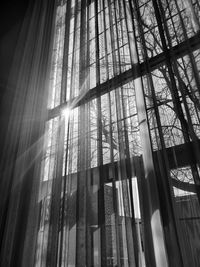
(11, 17)
(12, 14)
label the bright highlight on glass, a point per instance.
(65, 112)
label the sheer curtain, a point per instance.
(101, 158)
(25, 102)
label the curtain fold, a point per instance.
(23, 140)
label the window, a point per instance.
(124, 157)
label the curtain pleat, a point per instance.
(21, 154)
